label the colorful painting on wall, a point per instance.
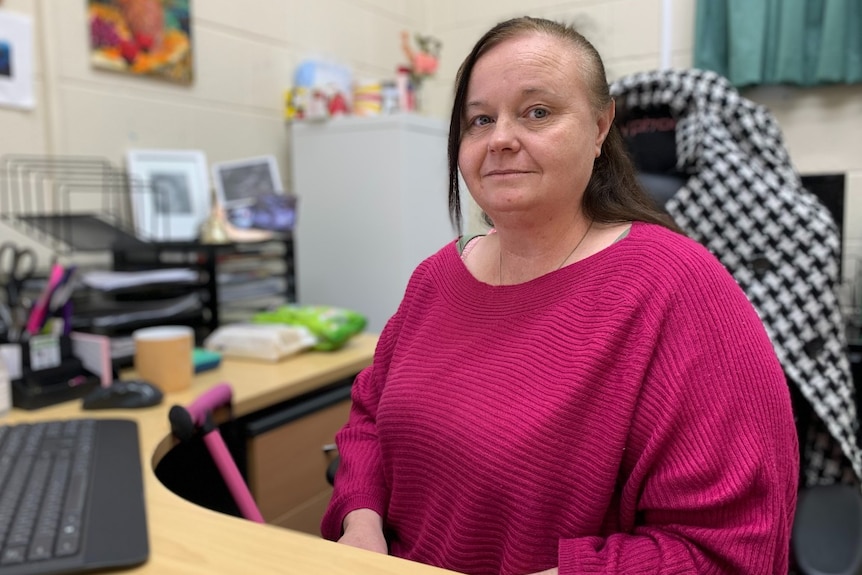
(142, 37)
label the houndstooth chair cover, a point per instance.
(745, 202)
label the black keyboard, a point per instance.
(71, 497)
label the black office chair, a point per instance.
(332, 469)
(827, 531)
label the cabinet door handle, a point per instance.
(329, 447)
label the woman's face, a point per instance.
(530, 133)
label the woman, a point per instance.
(581, 391)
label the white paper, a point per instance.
(111, 280)
(10, 355)
(5, 389)
(94, 351)
(16, 60)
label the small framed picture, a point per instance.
(246, 182)
(170, 193)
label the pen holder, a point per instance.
(50, 373)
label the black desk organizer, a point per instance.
(210, 261)
(41, 388)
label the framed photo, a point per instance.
(251, 193)
(245, 182)
(170, 193)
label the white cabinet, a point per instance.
(372, 204)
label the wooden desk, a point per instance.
(187, 539)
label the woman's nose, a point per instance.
(504, 136)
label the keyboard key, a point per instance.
(13, 555)
(67, 543)
(41, 548)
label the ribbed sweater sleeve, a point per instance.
(626, 414)
(360, 466)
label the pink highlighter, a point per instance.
(39, 313)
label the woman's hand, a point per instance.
(363, 528)
(554, 571)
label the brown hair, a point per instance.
(613, 193)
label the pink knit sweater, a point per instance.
(625, 414)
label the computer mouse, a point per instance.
(123, 394)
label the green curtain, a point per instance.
(803, 42)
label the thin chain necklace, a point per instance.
(565, 259)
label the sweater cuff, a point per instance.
(332, 524)
(569, 557)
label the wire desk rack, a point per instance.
(73, 203)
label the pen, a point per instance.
(67, 318)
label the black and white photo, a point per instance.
(170, 193)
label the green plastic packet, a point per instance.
(332, 326)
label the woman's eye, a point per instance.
(481, 121)
(539, 113)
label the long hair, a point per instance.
(613, 193)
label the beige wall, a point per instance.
(245, 54)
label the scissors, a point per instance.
(17, 265)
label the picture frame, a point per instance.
(240, 183)
(144, 39)
(170, 193)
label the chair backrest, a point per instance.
(650, 137)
